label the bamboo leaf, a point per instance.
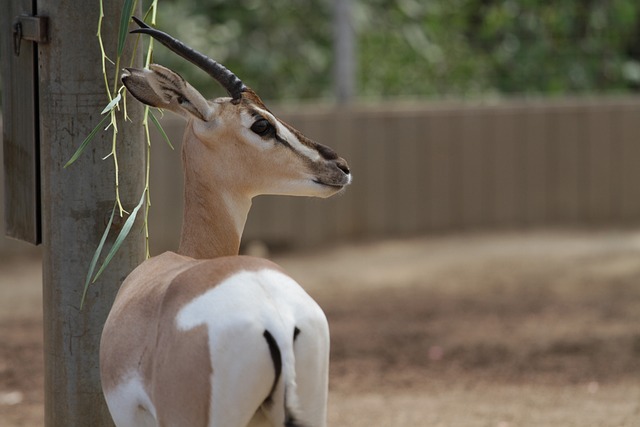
(86, 142)
(112, 104)
(121, 237)
(125, 17)
(160, 129)
(96, 255)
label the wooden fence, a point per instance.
(425, 168)
(434, 168)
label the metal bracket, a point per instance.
(30, 28)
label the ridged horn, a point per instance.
(226, 78)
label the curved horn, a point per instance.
(226, 78)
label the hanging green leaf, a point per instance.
(86, 141)
(121, 237)
(96, 255)
(125, 17)
(160, 129)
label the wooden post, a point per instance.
(76, 204)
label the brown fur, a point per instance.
(158, 289)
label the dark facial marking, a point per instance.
(267, 130)
(263, 128)
(326, 152)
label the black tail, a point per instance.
(291, 422)
(276, 357)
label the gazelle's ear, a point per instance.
(162, 88)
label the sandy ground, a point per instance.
(502, 330)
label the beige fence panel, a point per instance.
(456, 167)
(506, 168)
(438, 189)
(533, 166)
(165, 216)
(600, 152)
(626, 135)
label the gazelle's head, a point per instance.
(260, 153)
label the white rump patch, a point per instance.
(236, 313)
(247, 296)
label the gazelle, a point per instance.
(205, 337)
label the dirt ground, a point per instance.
(496, 330)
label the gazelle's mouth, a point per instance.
(328, 184)
(336, 185)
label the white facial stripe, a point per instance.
(247, 119)
(285, 134)
(245, 129)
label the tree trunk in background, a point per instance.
(344, 51)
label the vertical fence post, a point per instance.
(76, 203)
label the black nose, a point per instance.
(342, 165)
(326, 152)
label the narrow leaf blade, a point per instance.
(121, 237)
(96, 255)
(160, 129)
(86, 142)
(125, 17)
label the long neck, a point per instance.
(214, 215)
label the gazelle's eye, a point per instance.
(262, 127)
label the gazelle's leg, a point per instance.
(311, 348)
(130, 405)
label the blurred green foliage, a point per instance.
(416, 48)
(281, 48)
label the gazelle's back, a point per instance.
(196, 352)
